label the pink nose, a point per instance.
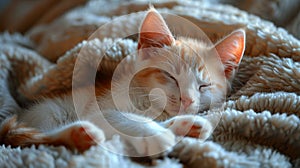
(186, 102)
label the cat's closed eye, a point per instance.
(203, 87)
(170, 76)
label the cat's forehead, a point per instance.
(192, 43)
(192, 52)
(184, 59)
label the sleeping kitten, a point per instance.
(190, 82)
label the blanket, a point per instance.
(260, 125)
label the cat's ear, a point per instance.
(231, 49)
(154, 31)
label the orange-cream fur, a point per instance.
(190, 80)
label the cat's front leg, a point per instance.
(146, 136)
(189, 125)
(80, 135)
(149, 144)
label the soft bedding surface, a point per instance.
(260, 125)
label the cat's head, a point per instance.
(188, 67)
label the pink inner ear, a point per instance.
(231, 50)
(154, 32)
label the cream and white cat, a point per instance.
(187, 86)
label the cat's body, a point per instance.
(185, 79)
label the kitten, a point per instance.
(185, 80)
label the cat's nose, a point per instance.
(186, 102)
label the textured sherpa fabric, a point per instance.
(260, 125)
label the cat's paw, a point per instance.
(81, 136)
(154, 145)
(190, 125)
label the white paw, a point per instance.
(81, 135)
(154, 145)
(190, 125)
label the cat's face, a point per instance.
(182, 67)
